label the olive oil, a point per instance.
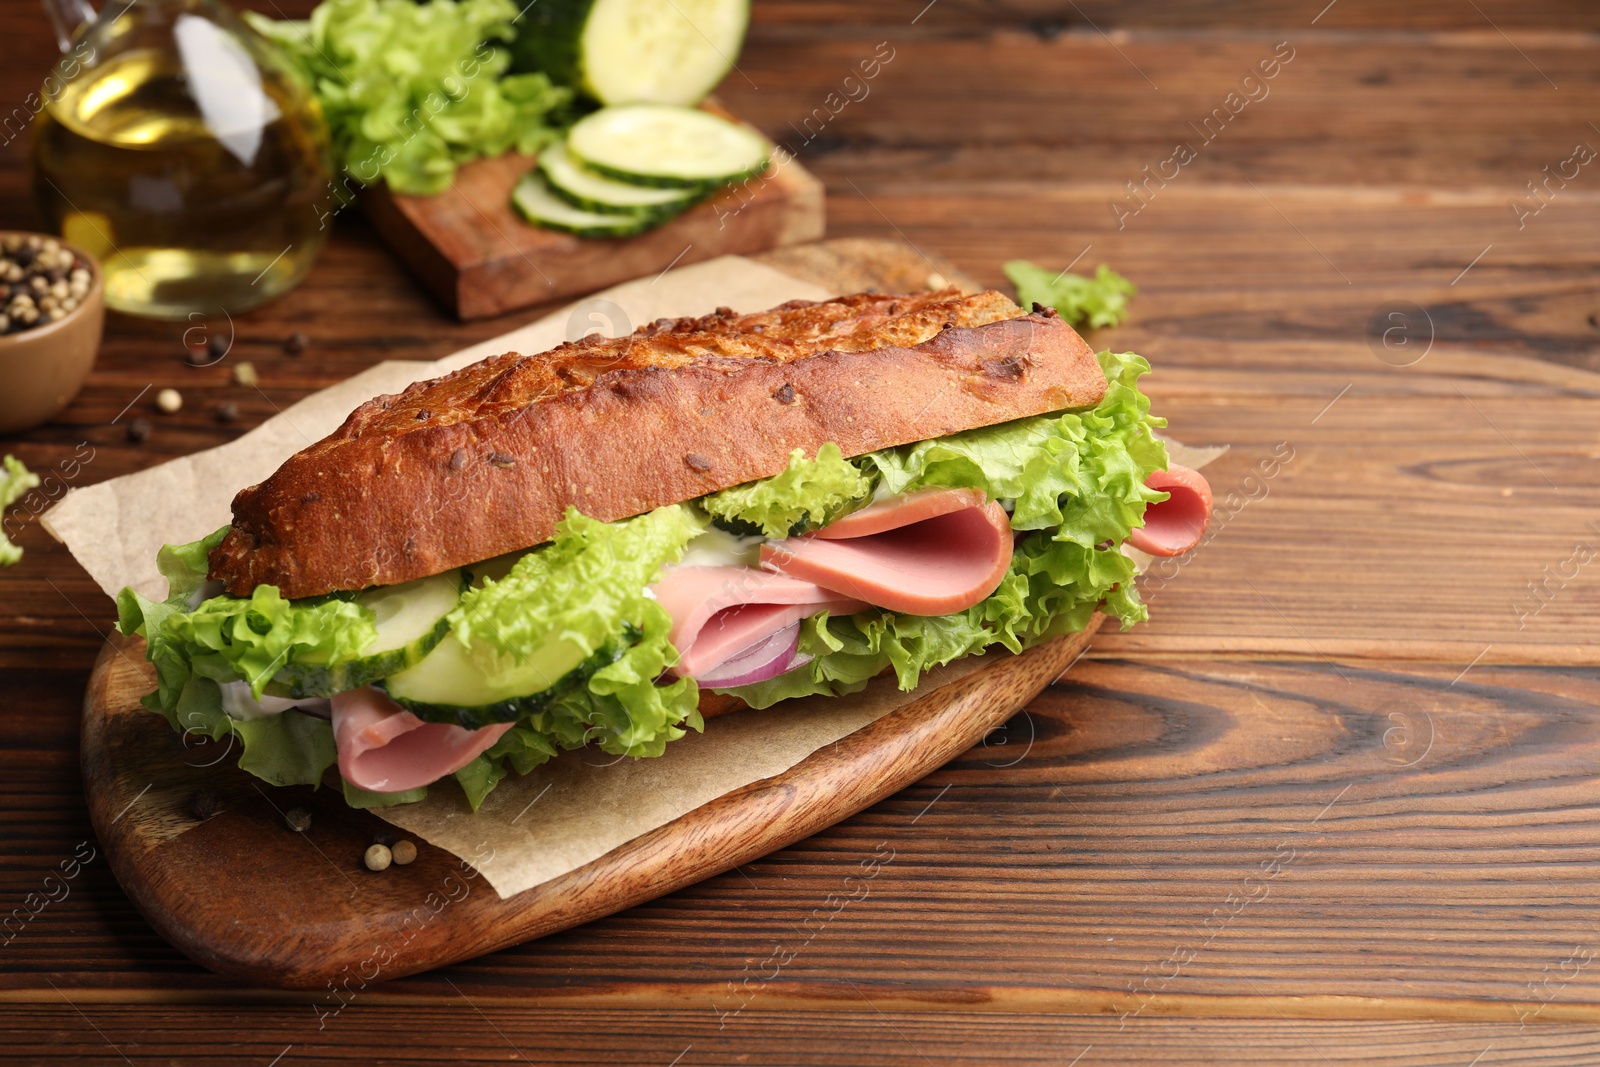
(195, 175)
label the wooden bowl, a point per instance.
(43, 367)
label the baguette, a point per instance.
(488, 459)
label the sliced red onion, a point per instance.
(767, 658)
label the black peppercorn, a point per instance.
(203, 805)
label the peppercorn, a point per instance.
(299, 819)
(169, 400)
(386, 838)
(296, 343)
(227, 411)
(378, 858)
(245, 373)
(40, 281)
(203, 805)
(404, 852)
(217, 347)
(139, 429)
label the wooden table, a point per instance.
(1336, 803)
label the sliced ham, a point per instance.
(1175, 525)
(719, 612)
(926, 553)
(902, 510)
(383, 748)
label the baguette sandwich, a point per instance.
(607, 543)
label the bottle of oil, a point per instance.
(184, 154)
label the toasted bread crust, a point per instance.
(487, 460)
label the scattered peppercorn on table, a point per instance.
(1335, 801)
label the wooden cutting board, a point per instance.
(478, 256)
(240, 893)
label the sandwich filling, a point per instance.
(810, 582)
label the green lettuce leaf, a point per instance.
(184, 567)
(15, 480)
(357, 797)
(524, 746)
(1099, 301)
(412, 90)
(586, 588)
(809, 493)
(286, 749)
(1078, 483)
(583, 586)
(254, 637)
(479, 777)
(229, 638)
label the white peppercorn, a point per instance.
(169, 400)
(378, 858)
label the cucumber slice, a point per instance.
(584, 188)
(623, 51)
(541, 207)
(676, 147)
(450, 685)
(411, 621)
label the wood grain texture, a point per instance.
(820, 20)
(1347, 841)
(462, 1033)
(235, 894)
(469, 246)
(1076, 106)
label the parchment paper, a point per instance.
(582, 804)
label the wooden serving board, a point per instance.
(241, 894)
(472, 249)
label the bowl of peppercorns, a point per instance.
(51, 313)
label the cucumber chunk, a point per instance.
(540, 206)
(584, 188)
(623, 51)
(411, 621)
(451, 686)
(661, 145)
